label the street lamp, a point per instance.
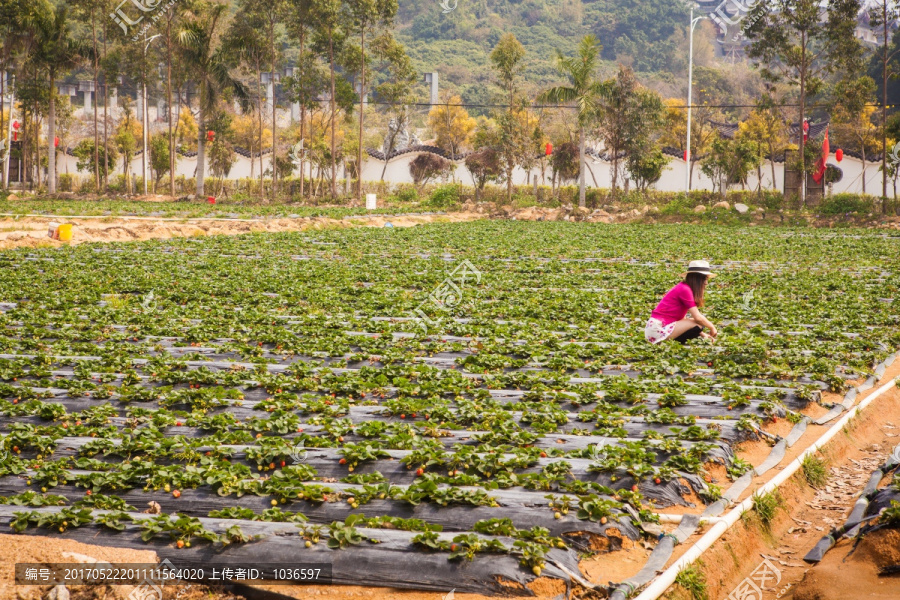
(145, 114)
(687, 154)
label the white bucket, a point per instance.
(371, 202)
(51, 229)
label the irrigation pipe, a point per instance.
(659, 585)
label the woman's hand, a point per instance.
(713, 331)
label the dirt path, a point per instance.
(31, 232)
(805, 516)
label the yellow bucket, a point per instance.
(65, 232)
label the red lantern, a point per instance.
(211, 199)
(56, 142)
(15, 136)
(685, 156)
(16, 125)
(548, 149)
(210, 135)
(805, 129)
(839, 154)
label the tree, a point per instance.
(55, 49)
(84, 152)
(198, 40)
(514, 142)
(564, 162)
(247, 44)
(646, 165)
(90, 9)
(629, 115)
(272, 11)
(583, 90)
(159, 157)
(484, 166)
(221, 159)
(127, 137)
(703, 130)
(427, 166)
(303, 87)
(170, 17)
(766, 127)
(451, 124)
(365, 16)
(396, 88)
(852, 118)
(187, 130)
(507, 58)
(327, 16)
(883, 15)
(730, 161)
(798, 42)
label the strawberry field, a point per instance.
(467, 406)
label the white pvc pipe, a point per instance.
(676, 519)
(659, 585)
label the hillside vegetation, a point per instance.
(457, 44)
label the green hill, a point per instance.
(457, 44)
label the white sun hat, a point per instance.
(700, 267)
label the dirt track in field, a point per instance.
(807, 514)
(31, 232)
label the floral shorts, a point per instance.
(655, 332)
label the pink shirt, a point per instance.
(675, 304)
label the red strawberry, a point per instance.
(634, 488)
(420, 471)
(343, 461)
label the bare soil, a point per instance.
(31, 232)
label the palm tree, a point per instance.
(53, 50)
(583, 90)
(198, 42)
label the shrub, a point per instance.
(840, 204)
(406, 194)
(445, 196)
(428, 166)
(679, 205)
(66, 182)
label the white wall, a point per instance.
(673, 178)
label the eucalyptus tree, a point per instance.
(883, 14)
(246, 42)
(327, 16)
(365, 16)
(299, 27)
(92, 10)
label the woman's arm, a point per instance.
(703, 321)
